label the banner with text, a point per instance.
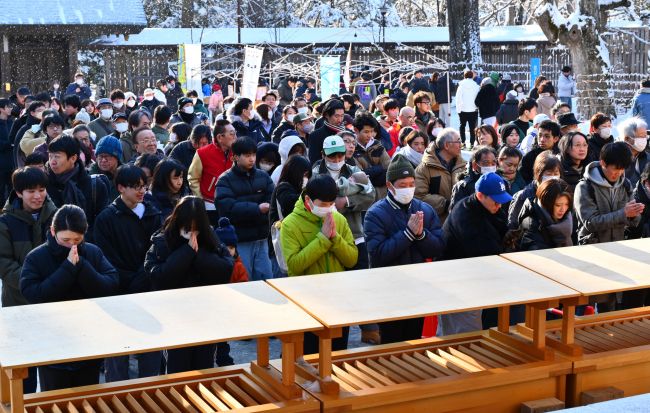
(251, 75)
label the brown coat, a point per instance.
(433, 182)
(374, 156)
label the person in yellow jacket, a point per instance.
(316, 239)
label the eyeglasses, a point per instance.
(456, 141)
(425, 102)
(139, 188)
(147, 140)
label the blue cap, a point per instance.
(493, 186)
(104, 101)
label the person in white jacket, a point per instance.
(289, 145)
(465, 106)
(566, 86)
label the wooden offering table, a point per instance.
(609, 349)
(51, 333)
(480, 371)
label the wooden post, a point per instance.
(568, 324)
(263, 351)
(324, 357)
(16, 377)
(288, 363)
(539, 328)
(5, 391)
(504, 319)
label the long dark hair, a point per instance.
(295, 170)
(162, 175)
(190, 215)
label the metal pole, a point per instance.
(239, 21)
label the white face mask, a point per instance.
(172, 137)
(269, 116)
(488, 169)
(290, 117)
(640, 144)
(106, 113)
(188, 109)
(56, 87)
(79, 82)
(185, 234)
(436, 131)
(130, 103)
(403, 195)
(303, 110)
(118, 105)
(227, 106)
(121, 127)
(319, 211)
(547, 177)
(148, 98)
(605, 133)
(335, 166)
(304, 181)
(308, 128)
(194, 101)
(35, 128)
(266, 166)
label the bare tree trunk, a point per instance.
(187, 13)
(589, 54)
(464, 33)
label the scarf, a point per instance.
(411, 154)
(71, 193)
(187, 117)
(560, 231)
(335, 128)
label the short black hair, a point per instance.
(365, 119)
(4, 102)
(244, 145)
(617, 154)
(201, 131)
(43, 97)
(72, 100)
(552, 127)
(117, 94)
(192, 94)
(391, 104)
(70, 218)
(331, 106)
(645, 82)
(136, 116)
(526, 104)
(35, 105)
(149, 161)
(52, 120)
(162, 173)
(321, 187)
(130, 176)
(508, 152)
(28, 177)
(240, 105)
(182, 131)
(66, 144)
(35, 158)
(162, 114)
(220, 127)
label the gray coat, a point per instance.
(600, 207)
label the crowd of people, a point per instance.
(122, 194)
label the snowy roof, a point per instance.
(307, 35)
(72, 12)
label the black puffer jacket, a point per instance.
(238, 196)
(508, 111)
(535, 226)
(487, 101)
(471, 231)
(125, 239)
(182, 267)
(464, 187)
(48, 275)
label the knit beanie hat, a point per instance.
(226, 232)
(109, 145)
(399, 168)
(83, 116)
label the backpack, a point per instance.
(276, 241)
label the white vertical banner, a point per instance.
(330, 76)
(347, 78)
(251, 75)
(193, 67)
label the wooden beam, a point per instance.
(568, 324)
(5, 390)
(504, 319)
(16, 377)
(263, 351)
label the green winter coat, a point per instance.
(308, 251)
(19, 223)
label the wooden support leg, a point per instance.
(16, 377)
(568, 325)
(263, 351)
(5, 393)
(300, 347)
(539, 328)
(288, 363)
(285, 383)
(324, 357)
(529, 317)
(504, 319)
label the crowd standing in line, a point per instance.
(134, 193)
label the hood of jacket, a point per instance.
(300, 210)
(286, 144)
(14, 207)
(593, 174)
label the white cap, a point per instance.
(540, 118)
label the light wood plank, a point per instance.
(397, 369)
(167, 404)
(134, 404)
(410, 368)
(351, 380)
(56, 409)
(119, 406)
(197, 401)
(102, 406)
(72, 408)
(386, 371)
(383, 379)
(181, 401)
(437, 366)
(430, 371)
(86, 407)
(225, 396)
(361, 375)
(491, 354)
(240, 394)
(212, 399)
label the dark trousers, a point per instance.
(311, 342)
(470, 118)
(401, 330)
(190, 358)
(490, 316)
(363, 262)
(29, 384)
(5, 186)
(635, 298)
(223, 355)
(54, 379)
